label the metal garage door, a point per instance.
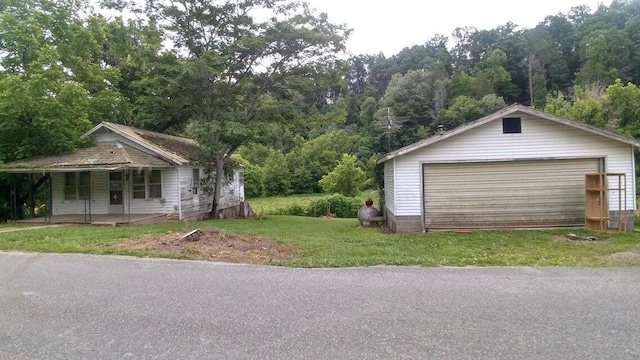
(506, 194)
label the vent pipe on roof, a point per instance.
(440, 129)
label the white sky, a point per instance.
(389, 26)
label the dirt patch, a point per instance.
(214, 245)
(627, 257)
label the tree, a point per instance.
(316, 158)
(276, 174)
(606, 56)
(52, 84)
(464, 109)
(235, 62)
(253, 181)
(346, 178)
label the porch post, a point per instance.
(13, 197)
(130, 189)
(89, 197)
(49, 191)
(85, 196)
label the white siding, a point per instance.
(99, 197)
(389, 188)
(232, 192)
(193, 204)
(540, 139)
(167, 204)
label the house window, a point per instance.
(196, 181)
(77, 186)
(70, 186)
(155, 184)
(84, 189)
(511, 125)
(138, 186)
(146, 184)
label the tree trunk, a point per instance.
(219, 183)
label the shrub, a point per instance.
(295, 209)
(346, 178)
(338, 204)
(276, 174)
(253, 181)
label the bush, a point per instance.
(253, 181)
(276, 174)
(295, 209)
(337, 204)
(346, 178)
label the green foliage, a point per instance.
(276, 174)
(254, 153)
(622, 106)
(316, 158)
(337, 204)
(295, 210)
(254, 180)
(346, 178)
(605, 54)
(614, 108)
(464, 109)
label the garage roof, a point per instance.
(500, 114)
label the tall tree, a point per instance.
(52, 84)
(237, 56)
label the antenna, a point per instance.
(391, 124)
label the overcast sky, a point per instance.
(389, 26)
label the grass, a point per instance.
(340, 242)
(270, 204)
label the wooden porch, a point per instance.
(99, 220)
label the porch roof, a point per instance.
(103, 156)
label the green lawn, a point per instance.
(340, 242)
(270, 204)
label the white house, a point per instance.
(518, 167)
(130, 175)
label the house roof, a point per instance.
(103, 156)
(498, 115)
(177, 150)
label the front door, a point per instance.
(116, 186)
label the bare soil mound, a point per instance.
(214, 245)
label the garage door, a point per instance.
(506, 194)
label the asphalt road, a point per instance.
(106, 307)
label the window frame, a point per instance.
(512, 125)
(195, 181)
(141, 184)
(79, 188)
(158, 184)
(136, 184)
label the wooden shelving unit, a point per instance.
(600, 188)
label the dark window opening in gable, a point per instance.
(511, 126)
